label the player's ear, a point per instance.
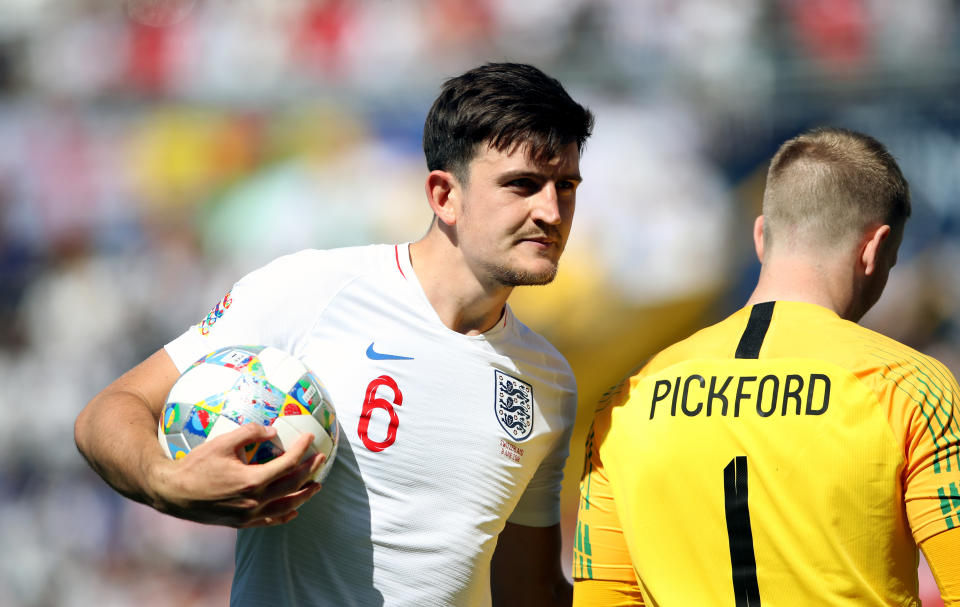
(758, 236)
(443, 194)
(873, 240)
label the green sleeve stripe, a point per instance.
(949, 404)
(583, 564)
(936, 410)
(950, 504)
(587, 470)
(949, 427)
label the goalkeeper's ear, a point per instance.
(758, 237)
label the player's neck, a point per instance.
(805, 281)
(462, 302)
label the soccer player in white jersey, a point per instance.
(455, 418)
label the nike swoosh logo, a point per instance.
(374, 355)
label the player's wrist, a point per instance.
(159, 481)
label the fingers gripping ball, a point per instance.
(241, 384)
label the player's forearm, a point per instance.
(116, 433)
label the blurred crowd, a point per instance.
(153, 151)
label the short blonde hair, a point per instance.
(829, 184)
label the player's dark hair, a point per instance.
(503, 105)
(834, 181)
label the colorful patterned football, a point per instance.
(240, 384)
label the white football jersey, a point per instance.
(444, 436)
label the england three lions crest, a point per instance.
(513, 404)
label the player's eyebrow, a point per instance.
(516, 174)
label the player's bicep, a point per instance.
(133, 404)
(151, 380)
(145, 385)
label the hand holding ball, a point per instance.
(240, 384)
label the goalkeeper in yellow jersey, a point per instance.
(787, 455)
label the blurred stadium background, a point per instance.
(152, 152)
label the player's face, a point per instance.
(516, 214)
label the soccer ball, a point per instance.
(240, 384)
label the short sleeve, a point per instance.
(272, 306)
(927, 393)
(600, 549)
(539, 506)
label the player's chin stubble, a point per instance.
(512, 277)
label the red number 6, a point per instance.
(371, 402)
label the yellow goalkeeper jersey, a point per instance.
(784, 456)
